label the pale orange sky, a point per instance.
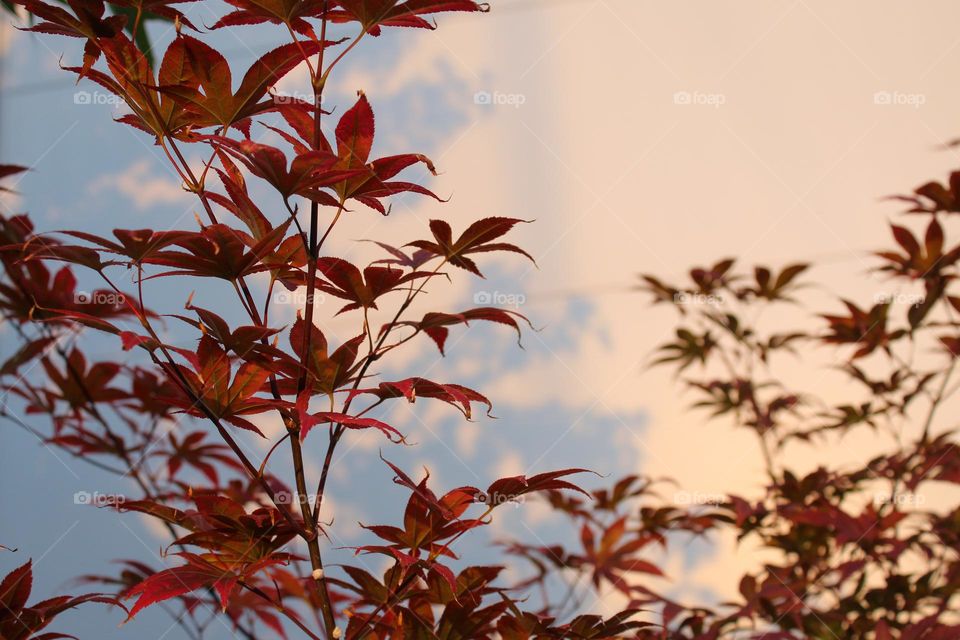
(802, 114)
(790, 167)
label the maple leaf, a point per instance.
(208, 87)
(309, 171)
(197, 573)
(132, 573)
(507, 489)
(218, 251)
(326, 372)
(137, 245)
(7, 170)
(687, 349)
(245, 342)
(34, 294)
(237, 200)
(364, 180)
(934, 197)
(401, 259)
(131, 78)
(80, 384)
(309, 420)
(89, 23)
(776, 288)
(922, 261)
(435, 324)
(43, 249)
(177, 581)
(453, 394)
(614, 554)
(354, 137)
(81, 442)
(194, 452)
(428, 520)
(284, 261)
(210, 380)
(374, 14)
(223, 526)
(866, 328)
(18, 621)
(148, 388)
(27, 352)
(288, 12)
(345, 281)
(476, 239)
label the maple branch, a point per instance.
(303, 52)
(147, 487)
(258, 321)
(246, 300)
(171, 366)
(571, 600)
(369, 624)
(133, 470)
(323, 40)
(309, 530)
(340, 57)
(330, 227)
(761, 435)
(79, 456)
(296, 221)
(296, 450)
(281, 609)
(941, 392)
(337, 431)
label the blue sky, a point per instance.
(775, 157)
(94, 174)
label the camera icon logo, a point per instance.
(82, 497)
(483, 98)
(482, 297)
(82, 97)
(682, 97)
(883, 97)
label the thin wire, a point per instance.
(3, 47)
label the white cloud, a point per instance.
(143, 187)
(621, 180)
(7, 35)
(10, 202)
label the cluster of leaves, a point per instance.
(858, 552)
(130, 16)
(20, 621)
(172, 417)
